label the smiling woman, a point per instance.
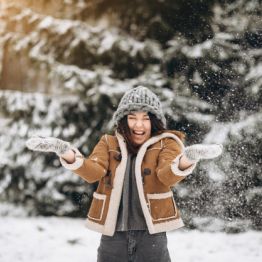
(138, 126)
(133, 206)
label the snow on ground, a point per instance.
(63, 239)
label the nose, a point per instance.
(139, 123)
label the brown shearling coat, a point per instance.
(156, 170)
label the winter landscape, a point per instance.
(64, 66)
(63, 239)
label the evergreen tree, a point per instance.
(65, 65)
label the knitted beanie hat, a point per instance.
(139, 99)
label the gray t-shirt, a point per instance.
(130, 214)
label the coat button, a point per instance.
(118, 157)
(108, 180)
(108, 186)
(147, 171)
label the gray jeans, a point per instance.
(133, 246)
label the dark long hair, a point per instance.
(157, 128)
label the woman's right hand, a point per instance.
(48, 144)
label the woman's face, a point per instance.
(140, 127)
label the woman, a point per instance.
(133, 206)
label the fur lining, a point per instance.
(160, 195)
(94, 226)
(179, 134)
(109, 227)
(79, 160)
(151, 227)
(111, 219)
(178, 172)
(167, 226)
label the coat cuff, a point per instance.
(178, 172)
(79, 160)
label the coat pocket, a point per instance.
(162, 206)
(97, 207)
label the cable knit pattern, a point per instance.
(201, 151)
(139, 99)
(48, 144)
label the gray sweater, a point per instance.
(130, 214)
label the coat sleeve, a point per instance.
(167, 170)
(94, 167)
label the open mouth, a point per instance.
(139, 133)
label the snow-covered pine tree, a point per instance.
(65, 64)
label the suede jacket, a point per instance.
(156, 171)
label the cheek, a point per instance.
(129, 123)
(148, 127)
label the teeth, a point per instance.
(138, 133)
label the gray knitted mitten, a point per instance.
(48, 144)
(201, 151)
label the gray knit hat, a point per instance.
(139, 99)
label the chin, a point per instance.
(140, 142)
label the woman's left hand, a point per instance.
(197, 152)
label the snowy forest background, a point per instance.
(64, 65)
